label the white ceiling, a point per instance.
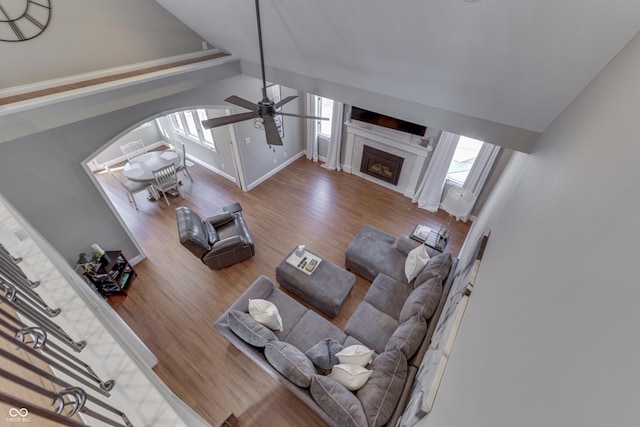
(513, 62)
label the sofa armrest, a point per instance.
(262, 288)
(405, 244)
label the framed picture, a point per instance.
(273, 93)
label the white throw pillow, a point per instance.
(355, 355)
(351, 376)
(416, 260)
(265, 312)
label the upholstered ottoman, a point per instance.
(325, 288)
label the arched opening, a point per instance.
(210, 157)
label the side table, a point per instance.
(112, 274)
(429, 237)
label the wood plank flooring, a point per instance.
(175, 299)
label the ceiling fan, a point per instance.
(265, 109)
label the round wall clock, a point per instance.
(22, 20)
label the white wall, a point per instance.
(149, 134)
(91, 35)
(220, 160)
(550, 334)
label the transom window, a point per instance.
(466, 153)
(188, 123)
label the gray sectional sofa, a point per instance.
(396, 319)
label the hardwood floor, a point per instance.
(175, 300)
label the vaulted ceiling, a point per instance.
(515, 64)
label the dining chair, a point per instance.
(133, 149)
(131, 187)
(166, 179)
(182, 152)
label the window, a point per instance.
(325, 109)
(192, 128)
(188, 123)
(463, 159)
(206, 133)
(176, 122)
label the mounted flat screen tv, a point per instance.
(386, 121)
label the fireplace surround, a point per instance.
(398, 144)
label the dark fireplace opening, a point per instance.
(381, 165)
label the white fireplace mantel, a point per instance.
(398, 143)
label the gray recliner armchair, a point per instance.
(219, 241)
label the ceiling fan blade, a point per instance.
(284, 101)
(302, 116)
(271, 129)
(236, 100)
(227, 120)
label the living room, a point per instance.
(555, 191)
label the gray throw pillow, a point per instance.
(438, 266)
(341, 404)
(408, 336)
(250, 331)
(380, 395)
(323, 354)
(290, 362)
(423, 299)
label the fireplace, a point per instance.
(381, 165)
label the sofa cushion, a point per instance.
(352, 341)
(290, 362)
(311, 329)
(371, 326)
(355, 355)
(211, 233)
(438, 266)
(380, 395)
(291, 311)
(416, 260)
(341, 404)
(265, 312)
(323, 354)
(250, 331)
(408, 336)
(388, 295)
(423, 299)
(353, 377)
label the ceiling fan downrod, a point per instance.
(264, 80)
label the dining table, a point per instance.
(141, 168)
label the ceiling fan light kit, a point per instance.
(266, 109)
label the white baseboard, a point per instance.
(262, 179)
(211, 168)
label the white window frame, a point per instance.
(456, 182)
(180, 125)
(323, 136)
